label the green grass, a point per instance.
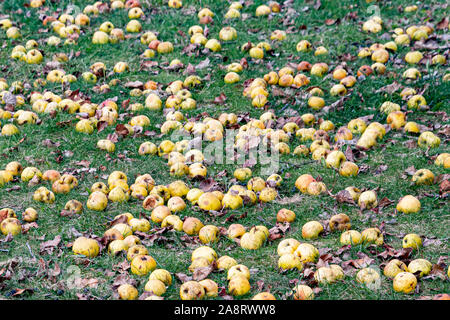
(341, 38)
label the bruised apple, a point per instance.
(205, 252)
(225, 262)
(408, 204)
(372, 235)
(339, 222)
(192, 225)
(162, 275)
(311, 230)
(302, 292)
(327, 275)
(290, 261)
(303, 181)
(85, 246)
(211, 288)
(127, 292)
(235, 230)
(287, 246)
(11, 226)
(117, 246)
(404, 282)
(285, 215)
(421, 267)
(135, 250)
(412, 240)
(238, 285)
(307, 252)
(155, 286)
(423, 177)
(350, 237)
(192, 290)
(30, 215)
(264, 296)
(142, 265)
(369, 277)
(42, 194)
(394, 267)
(208, 234)
(251, 241)
(368, 200)
(97, 201)
(209, 201)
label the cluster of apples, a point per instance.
(206, 16)
(98, 69)
(156, 285)
(238, 275)
(234, 10)
(28, 53)
(11, 31)
(379, 53)
(67, 27)
(232, 75)
(256, 51)
(293, 255)
(167, 201)
(307, 184)
(120, 238)
(61, 184)
(180, 97)
(257, 91)
(118, 190)
(373, 25)
(404, 278)
(20, 117)
(49, 102)
(267, 9)
(251, 240)
(9, 222)
(285, 78)
(206, 201)
(122, 233)
(255, 131)
(16, 88)
(197, 37)
(415, 33)
(156, 196)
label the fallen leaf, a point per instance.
(443, 24)
(121, 130)
(390, 88)
(50, 245)
(278, 231)
(183, 277)
(220, 99)
(202, 272)
(344, 196)
(203, 64)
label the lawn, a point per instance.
(39, 263)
